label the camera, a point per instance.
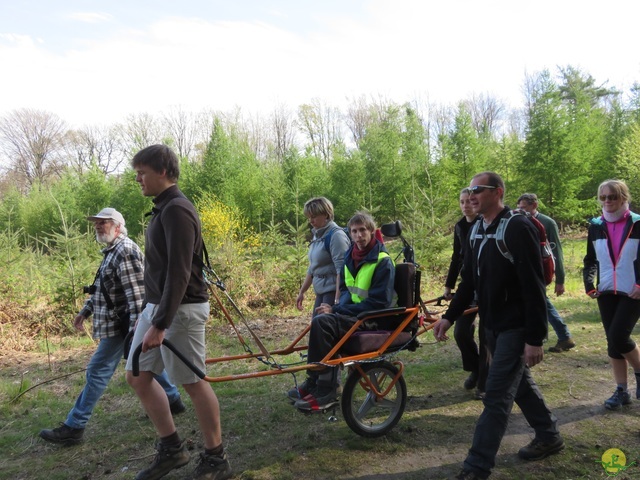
(89, 289)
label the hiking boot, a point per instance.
(469, 475)
(63, 434)
(177, 407)
(211, 467)
(619, 398)
(305, 388)
(537, 449)
(563, 345)
(479, 394)
(167, 459)
(471, 381)
(320, 400)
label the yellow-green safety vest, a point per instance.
(359, 286)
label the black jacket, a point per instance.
(460, 245)
(509, 295)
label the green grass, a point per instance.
(268, 440)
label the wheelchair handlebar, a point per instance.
(135, 367)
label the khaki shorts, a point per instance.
(186, 333)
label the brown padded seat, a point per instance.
(370, 340)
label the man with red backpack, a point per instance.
(529, 203)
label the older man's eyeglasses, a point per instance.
(101, 222)
(612, 197)
(480, 188)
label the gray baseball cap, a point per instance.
(108, 214)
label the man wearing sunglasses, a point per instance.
(512, 309)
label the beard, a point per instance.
(107, 237)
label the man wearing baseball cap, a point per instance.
(115, 303)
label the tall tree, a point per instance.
(320, 123)
(33, 142)
(181, 126)
(95, 146)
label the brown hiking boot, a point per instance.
(167, 459)
(63, 434)
(563, 346)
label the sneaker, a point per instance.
(469, 475)
(63, 434)
(177, 407)
(537, 449)
(319, 400)
(619, 398)
(211, 467)
(305, 388)
(563, 345)
(471, 381)
(167, 459)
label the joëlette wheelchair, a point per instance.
(374, 394)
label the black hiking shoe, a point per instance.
(167, 459)
(177, 407)
(211, 467)
(537, 449)
(63, 434)
(469, 475)
(322, 399)
(471, 381)
(305, 388)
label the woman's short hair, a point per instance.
(618, 187)
(159, 158)
(318, 206)
(362, 218)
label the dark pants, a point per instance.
(474, 358)
(509, 381)
(326, 330)
(619, 315)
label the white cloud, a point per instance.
(90, 17)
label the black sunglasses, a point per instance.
(480, 188)
(611, 197)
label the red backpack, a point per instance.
(548, 262)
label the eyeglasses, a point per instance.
(101, 222)
(480, 188)
(611, 197)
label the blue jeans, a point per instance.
(561, 329)
(100, 369)
(509, 381)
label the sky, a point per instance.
(96, 62)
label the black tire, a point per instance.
(364, 414)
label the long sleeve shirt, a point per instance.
(173, 241)
(121, 276)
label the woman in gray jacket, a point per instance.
(326, 254)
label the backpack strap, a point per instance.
(329, 235)
(500, 232)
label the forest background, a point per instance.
(250, 176)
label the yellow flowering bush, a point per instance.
(224, 229)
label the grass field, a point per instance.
(268, 440)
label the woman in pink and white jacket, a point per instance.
(612, 275)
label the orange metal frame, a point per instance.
(330, 359)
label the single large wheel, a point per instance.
(365, 412)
